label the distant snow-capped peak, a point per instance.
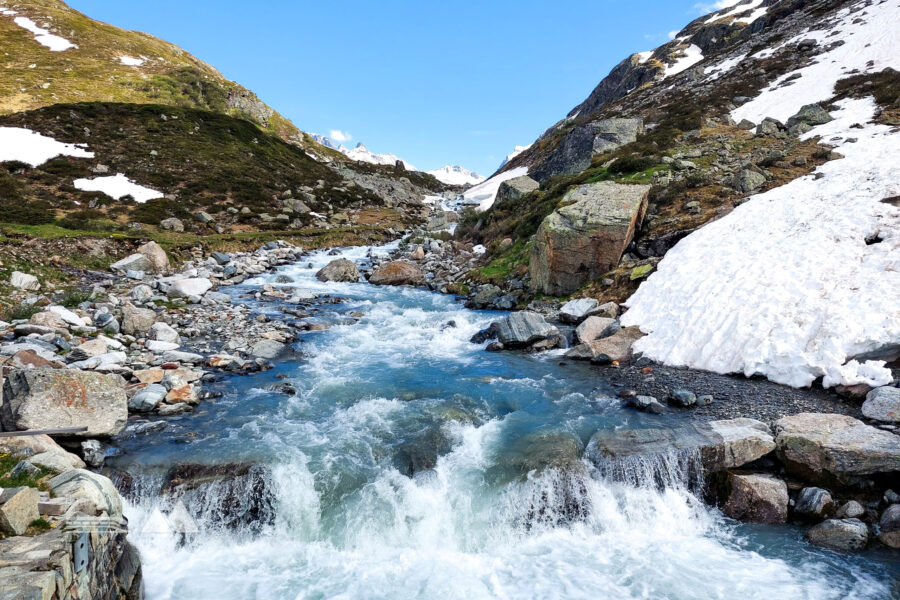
(456, 175)
(361, 153)
(517, 151)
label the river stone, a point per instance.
(53, 398)
(97, 490)
(544, 449)
(221, 258)
(340, 270)
(850, 510)
(883, 404)
(137, 321)
(187, 288)
(813, 504)
(24, 281)
(830, 448)
(133, 262)
(49, 319)
(141, 293)
(889, 526)
(839, 534)
(586, 236)
(578, 309)
(154, 253)
(18, 508)
(721, 444)
(397, 272)
(163, 332)
(268, 349)
(523, 328)
(756, 498)
(594, 328)
(615, 348)
(646, 404)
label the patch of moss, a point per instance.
(8, 462)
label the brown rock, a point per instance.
(148, 376)
(29, 359)
(397, 273)
(615, 348)
(156, 255)
(756, 498)
(48, 319)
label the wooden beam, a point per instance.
(60, 431)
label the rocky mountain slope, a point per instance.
(159, 141)
(763, 132)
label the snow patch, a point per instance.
(644, 56)
(131, 61)
(117, 186)
(741, 8)
(870, 45)
(692, 55)
(24, 145)
(516, 151)
(785, 285)
(484, 193)
(716, 71)
(43, 36)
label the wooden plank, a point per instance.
(60, 431)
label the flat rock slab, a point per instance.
(829, 448)
(18, 508)
(720, 444)
(524, 328)
(52, 398)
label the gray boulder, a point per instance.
(889, 526)
(172, 224)
(163, 332)
(268, 349)
(148, 398)
(134, 262)
(511, 190)
(883, 404)
(813, 504)
(578, 309)
(96, 490)
(586, 236)
(614, 348)
(746, 181)
(18, 508)
(830, 448)
(524, 328)
(341, 270)
(137, 321)
(756, 498)
(187, 288)
(154, 253)
(594, 328)
(839, 534)
(610, 134)
(48, 398)
(24, 281)
(811, 114)
(720, 445)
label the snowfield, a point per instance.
(869, 46)
(692, 55)
(117, 186)
(456, 175)
(24, 145)
(484, 193)
(786, 285)
(42, 36)
(131, 61)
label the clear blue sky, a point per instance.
(434, 82)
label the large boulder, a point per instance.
(53, 398)
(524, 328)
(889, 526)
(756, 498)
(137, 321)
(133, 262)
(577, 310)
(397, 272)
(24, 281)
(268, 349)
(154, 253)
(831, 448)
(41, 450)
(18, 508)
(513, 189)
(614, 348)
(96, 490)
(172, 224)
(810, 114)
(839, 534)
(586, 236)
(720, 445)
(579, 146)
(883, 404)
(186, 288)
(610, 134)
(163, 332)
(341, 270)
(595, 328)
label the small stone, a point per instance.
(889, 526)
(840, 534)
(683, 398)
(813, 504)
(850, 510)
(756, 498)
(883, 404)
(646, 404)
